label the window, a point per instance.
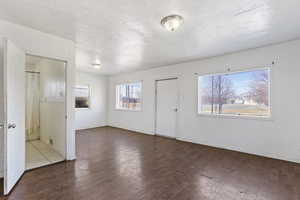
(128, 96)
(241, 93)
(82, 96)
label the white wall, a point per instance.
(38, 43)
(95, 116)
(277, 138)
(2, 117)
(52, 103)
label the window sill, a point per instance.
(82, 109)
(120, 109)
(236, 117)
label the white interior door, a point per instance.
(166, 107)
(14, 114)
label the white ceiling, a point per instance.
(126, 35)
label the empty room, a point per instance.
(149, 100)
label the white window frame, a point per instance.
(89, 97)
(126, 109)
(236, 116)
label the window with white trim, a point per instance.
(245, 93)
(82, 96)
(129, 96)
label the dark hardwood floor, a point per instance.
(115, 164)
(1, 186)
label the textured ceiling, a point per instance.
(126, 35)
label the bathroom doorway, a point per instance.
(45, 122)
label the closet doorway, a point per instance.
(45, 123)
(166, 107)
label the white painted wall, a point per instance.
(42, 44)
(277, 138)
(52, 104)
(2, 116)
(95, 116)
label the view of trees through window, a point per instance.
(242, 93)
(128, 96)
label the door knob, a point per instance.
(1, 126)
(9, 126)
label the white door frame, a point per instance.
(155, 107)
(66, 102)
(66, 107)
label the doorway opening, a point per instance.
(45, 106)
(166, 107)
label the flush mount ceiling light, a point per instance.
(96, 65)
(172, 22)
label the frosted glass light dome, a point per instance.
(172, 22)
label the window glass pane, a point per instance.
(82, 97)
(242, 93)
(128, 96)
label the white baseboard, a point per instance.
(89, 127)
(231, 148)
(132, 129)
(237, 149)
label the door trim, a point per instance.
(65, 101)
(155, 107)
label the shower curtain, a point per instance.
(32, 106)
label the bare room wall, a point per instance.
(277, 137)
(95, 116)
